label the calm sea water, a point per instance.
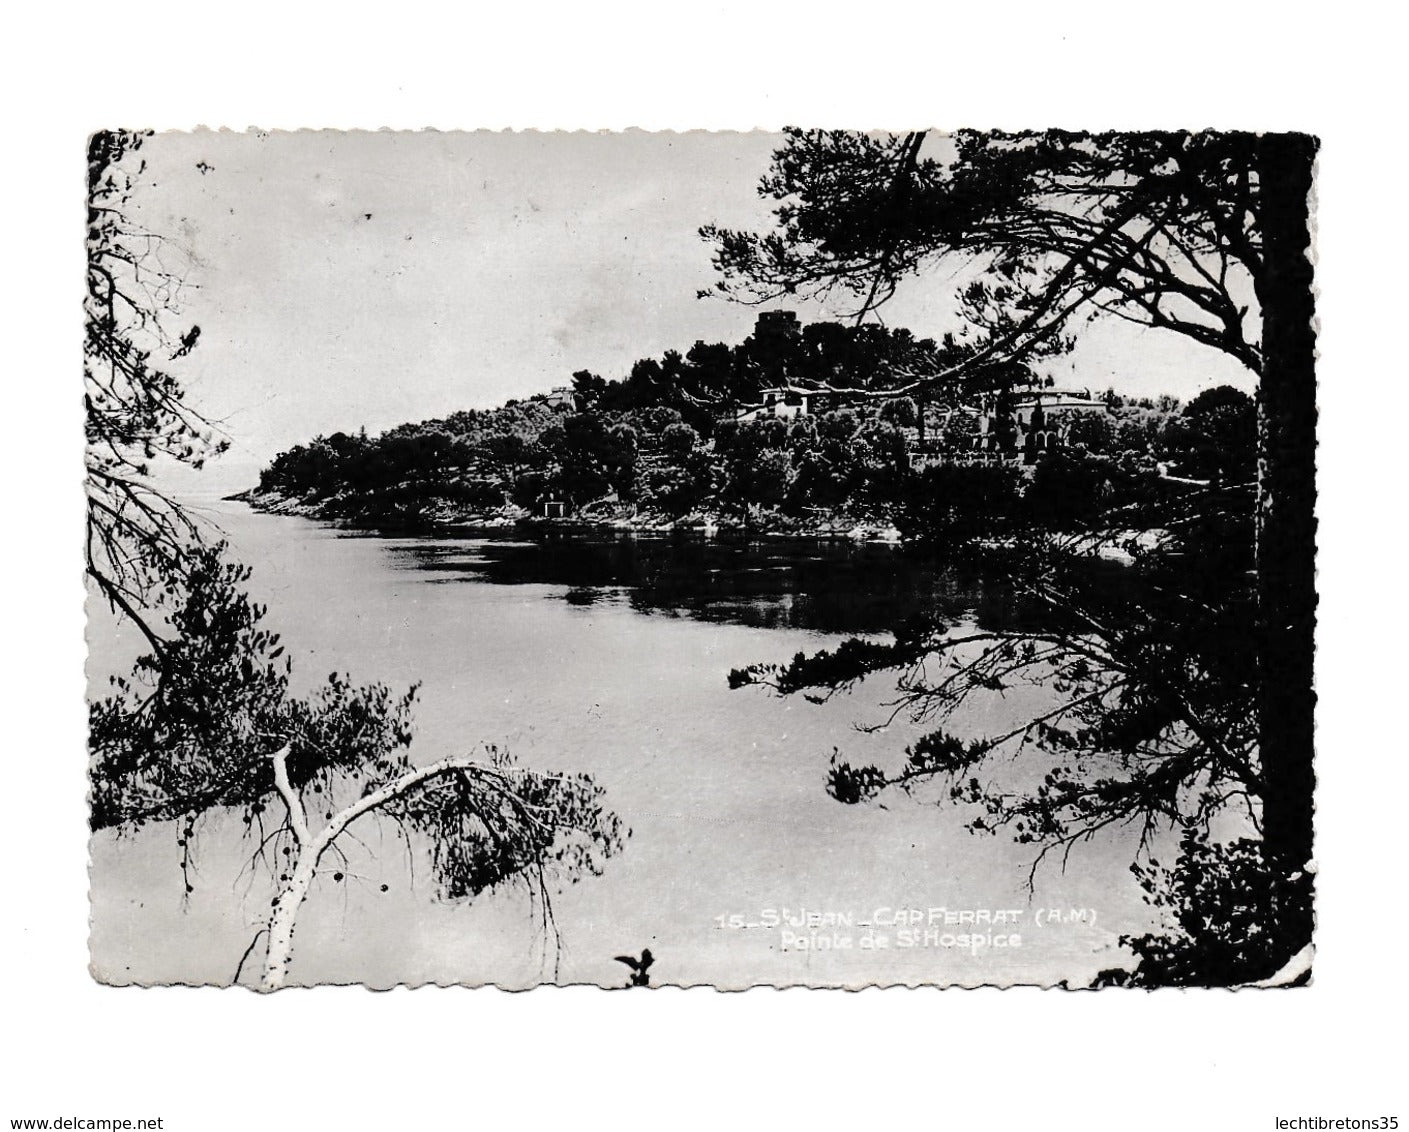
(609, 654)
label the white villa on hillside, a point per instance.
(562, 396)
(788, 401)
(1039, 420)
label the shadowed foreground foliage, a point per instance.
(135, 408)
(1187, 692)
(1148, 723)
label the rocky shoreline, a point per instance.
(444, 516)
(1122, 547)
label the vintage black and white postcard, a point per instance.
(644, 559)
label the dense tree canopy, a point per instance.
(664, 436)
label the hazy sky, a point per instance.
(344, 280)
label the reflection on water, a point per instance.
(609, 655)
(818, 585)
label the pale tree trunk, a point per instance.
(281, 924)
(280, 946)
(311, 847)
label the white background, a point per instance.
(350, 1059)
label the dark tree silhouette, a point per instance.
(208, 724)
(1214, 438)
(1160, 228)
(136, 411)
(1203, 235)
(205, 722)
